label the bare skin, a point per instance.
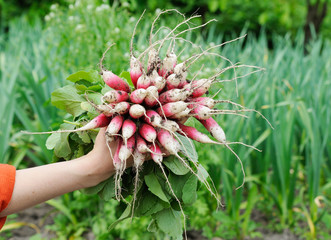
(39, 184)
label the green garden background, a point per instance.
(288, 184)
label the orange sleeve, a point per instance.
(7, 182)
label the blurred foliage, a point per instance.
(278, 16)
(10, 9)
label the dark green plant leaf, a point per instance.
(177, 183)
(152, 227)
(67, 99)
(108, 191)
(190, 190)
(95, 189)
(169, 221)
(148, 204)
(91, 76)
(83, 88)
(126, 214)
(188, 148)
(154, 186)
(175, 165)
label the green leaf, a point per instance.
(177, 183)
(84, 136)
(127, 77)
(152, 227)
(91, 76)
(52, 140)
(190, 190)
(126, 214)
(84, 88)
(202, 173)
(148, 204)
(154, 186)
(188, 148)
(175, 165)
(169, 221)
(95, 189)
(59, 142)
(108, 191)
(67, 99)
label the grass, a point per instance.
(282, 182)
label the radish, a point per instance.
(114, 125)
(135, 70)
(137, 111)
(138, 95)
(174, 95)
(168, 64)
(199, 87)
(172, 108)
(141, 145)
(115, 96)
(205, 101)
(147, 132)
(153, 118)
(126, 151)
(144, 81)
(168, 142)
(128, 129)
(181, 72)
(200, 112)
(116, 160)
(173, 81)
(122, 108)
(215, 130)
(169, 125)
(154, 60)
(157, 81)
(156, 153)
(183, 114)
(98, 122)
(152, 96)
(195, 135)
(115, 81)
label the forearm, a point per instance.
(39, 184)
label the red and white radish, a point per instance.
(114, 81)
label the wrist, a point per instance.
(94, 170)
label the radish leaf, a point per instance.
(190, 190)
(149, 204)
(67, 99)
(108, 191)
(154, 186)
(188, 148)
(169, 221)
(175, 166)
(91, 76)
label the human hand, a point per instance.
(99, 162)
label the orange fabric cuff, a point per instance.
(7, 182)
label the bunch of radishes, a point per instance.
(145, 122)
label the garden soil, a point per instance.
(42, 215)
